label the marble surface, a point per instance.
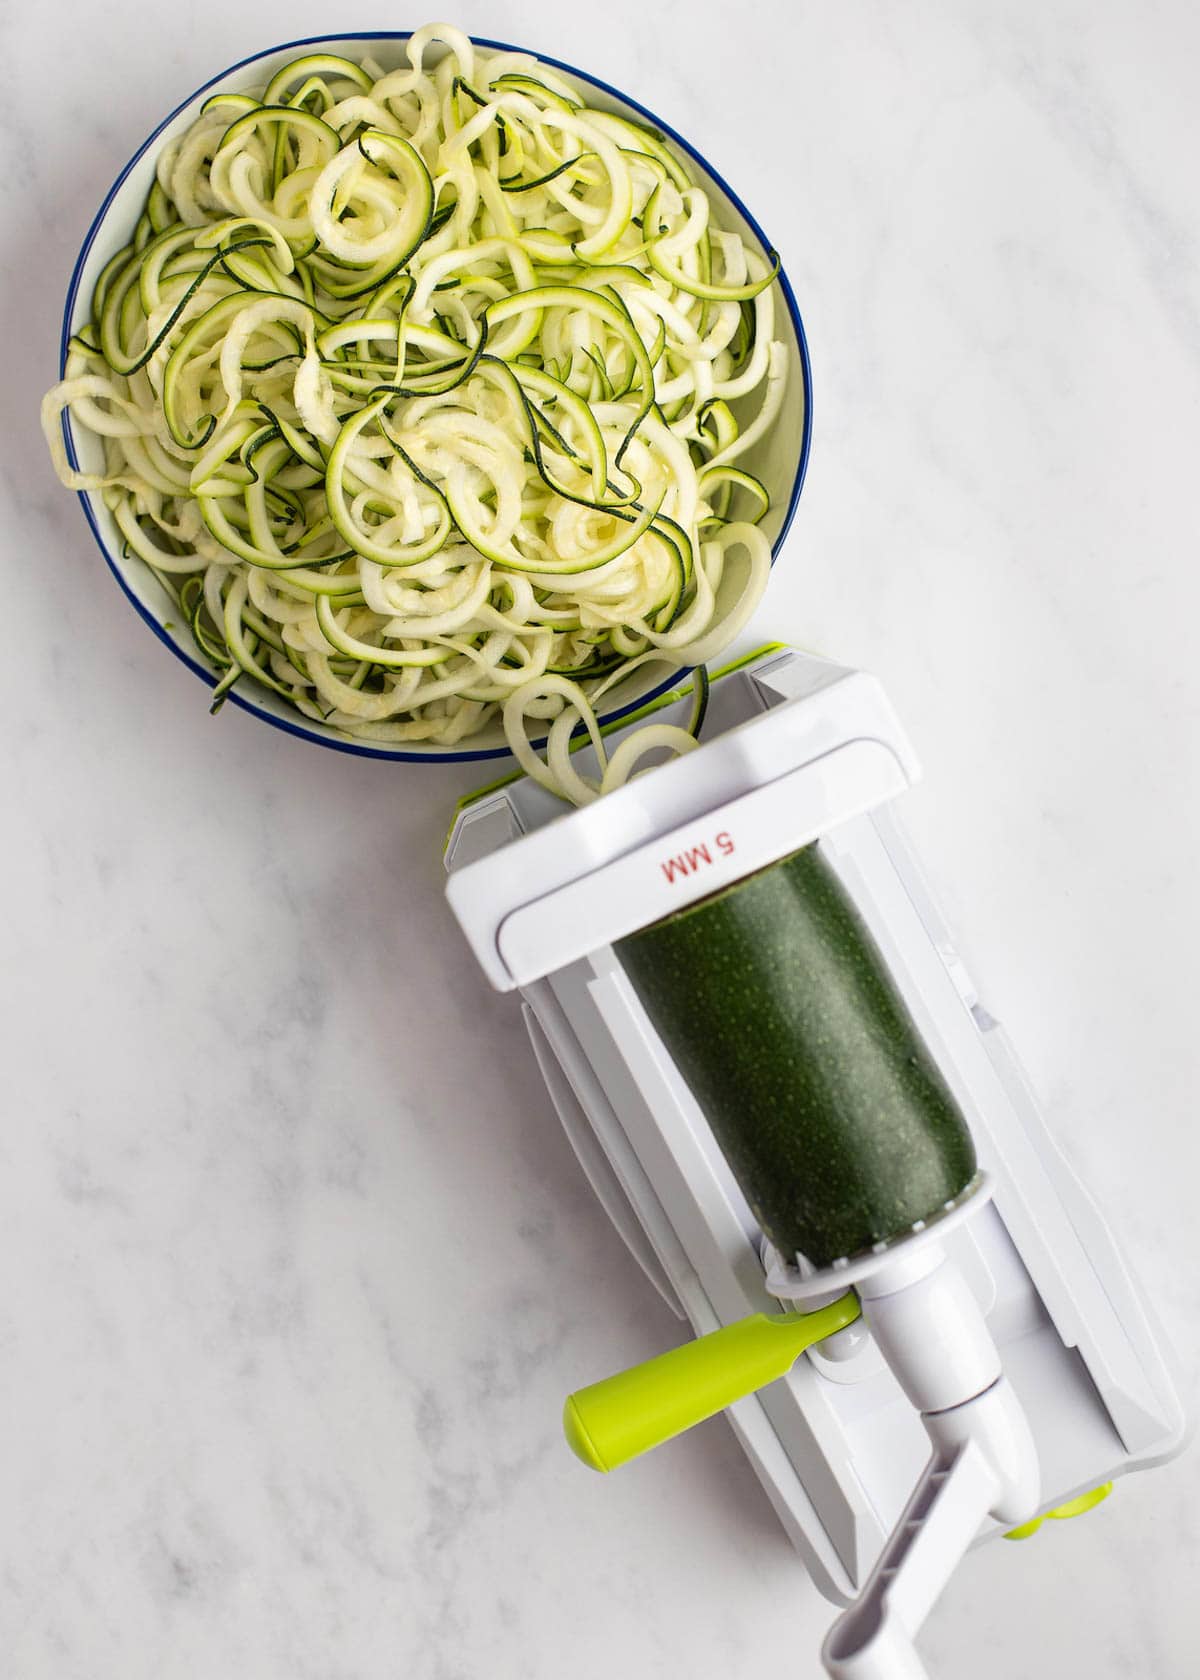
(296, 1264)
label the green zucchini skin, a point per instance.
(781, 1015)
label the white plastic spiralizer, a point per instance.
(995, 1363)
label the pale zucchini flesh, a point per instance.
(415, 389)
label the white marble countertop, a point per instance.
(296, 1264)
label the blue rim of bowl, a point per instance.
(361, 749)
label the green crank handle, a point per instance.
(623, 1416)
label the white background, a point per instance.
(295, 1265)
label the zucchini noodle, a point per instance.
(415, 389)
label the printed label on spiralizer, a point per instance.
(693, 858)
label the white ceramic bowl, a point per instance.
(779, 460)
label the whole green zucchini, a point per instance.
(781, 1015)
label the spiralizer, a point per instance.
(817, 1143)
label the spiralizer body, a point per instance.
(816, 1141)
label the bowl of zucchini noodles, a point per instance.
(413, 385)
